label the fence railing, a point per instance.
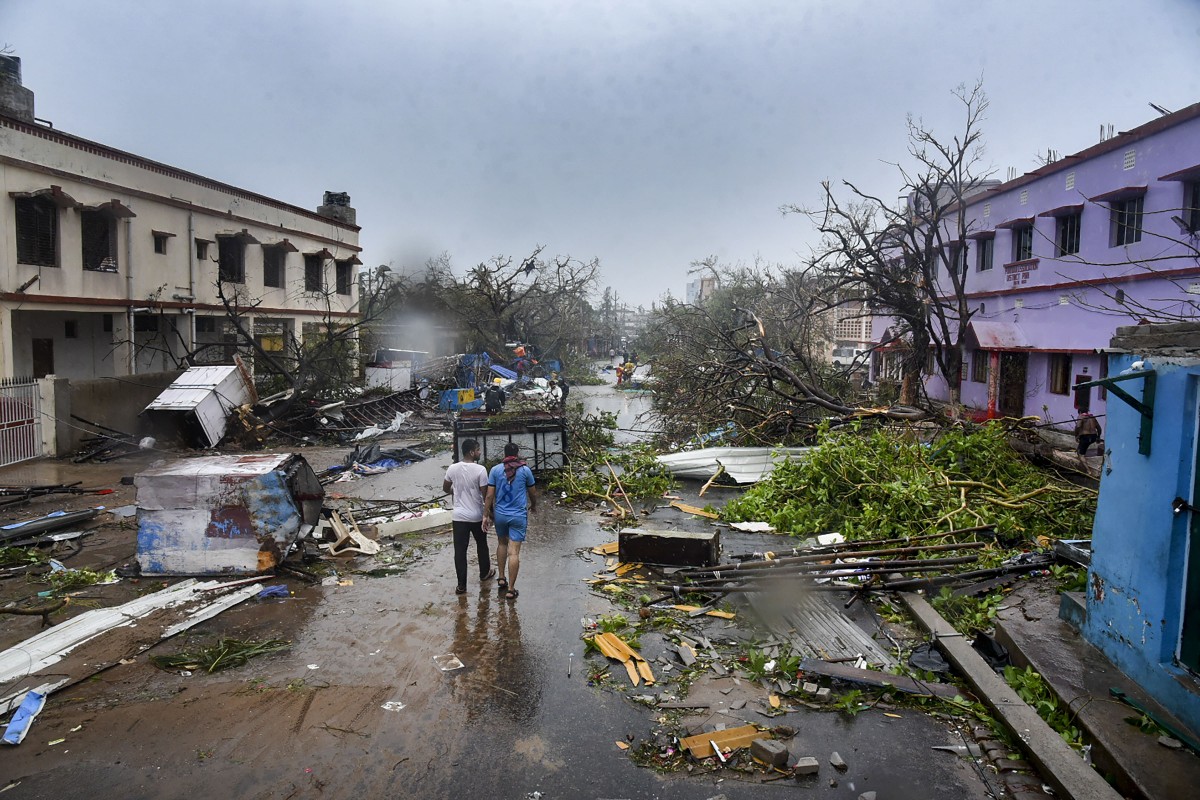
(20, 420)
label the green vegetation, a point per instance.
(968, 615)
(882, 484)
(1034, 691)
(226, 653)
(598, 470)
(65, 580)
(20, 556)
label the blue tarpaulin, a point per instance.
(504, 372)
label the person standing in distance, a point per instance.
(467, 480)
(511, 489)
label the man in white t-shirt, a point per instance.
(468, 481)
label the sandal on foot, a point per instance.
(460, 590)
(502, 583)
(491, 574)
(511, 594)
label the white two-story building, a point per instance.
(113, 264)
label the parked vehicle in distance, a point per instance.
(845, 356)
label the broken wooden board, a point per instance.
(633, 673)
(670, 548)
(643, 669)
(869, 677)
(607, 549)
(414, 522)
(697, 510)
(623, 568)
(700, 745)
(606, 648)
(710, 613)
(618, 644)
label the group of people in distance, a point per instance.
(501, 498)
(557, 391)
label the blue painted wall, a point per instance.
(1139, 545)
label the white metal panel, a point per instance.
(191, 388)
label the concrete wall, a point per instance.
(1139, 546)
(115, 402)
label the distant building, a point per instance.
(109, 262)
(1056, 259)
(701, 289)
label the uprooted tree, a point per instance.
(909, 262)
(750, 354)
(754, 352)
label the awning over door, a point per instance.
(985, 335)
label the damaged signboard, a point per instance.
(224, 514)
(197, 405)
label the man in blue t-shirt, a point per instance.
(510, 489)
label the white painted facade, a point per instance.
(76, 322)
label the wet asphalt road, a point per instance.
(312, 721)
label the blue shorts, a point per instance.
(511, 527)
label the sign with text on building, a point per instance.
(1017, 274)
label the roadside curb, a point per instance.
(1070, 775)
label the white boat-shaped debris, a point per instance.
(742, 464)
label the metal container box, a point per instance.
(198, 403)
(224, 514)
(670, 548)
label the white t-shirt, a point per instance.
(467, 478)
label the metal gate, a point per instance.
(20, 420)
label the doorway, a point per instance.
(1083, 397)
(43, 357)
(1013, 368)
(1189, 633)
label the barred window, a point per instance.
(1060, 373)
(36, 231)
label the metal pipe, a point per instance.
(858, 568)
(191, 248)
(808, 558)
(860, 543)
(131, 353)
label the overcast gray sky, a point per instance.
(648, 134)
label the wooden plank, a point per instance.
(606, 647)
(869, 677)
(618, 644)
(633, 673)
(623, 568)
(643, 668)
(711, 613)
(730, 739)
(607, 549)
(697, 510)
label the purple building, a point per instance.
(1058, 258)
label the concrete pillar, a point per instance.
(993, 383)
(122, 340)
(7, 337)
(54, 397)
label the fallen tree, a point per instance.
(895, 483)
